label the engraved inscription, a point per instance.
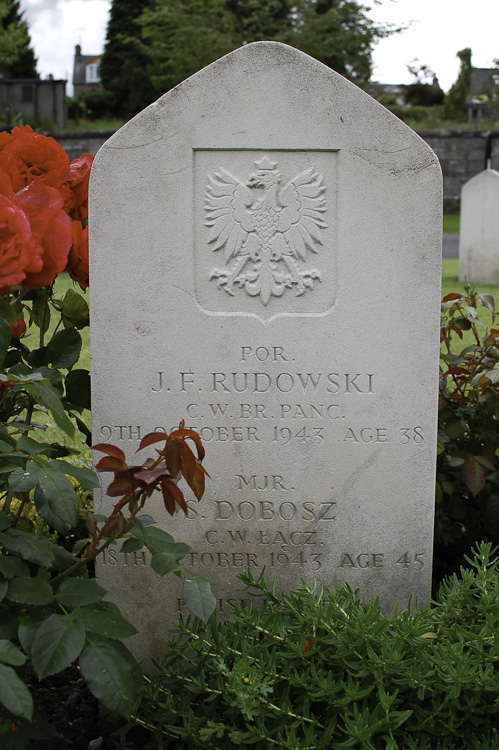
(265, 229)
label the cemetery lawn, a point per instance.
(451, 223)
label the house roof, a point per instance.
(80, 63)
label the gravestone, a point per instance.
(265, 260)
(479, 229)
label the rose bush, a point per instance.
(43, 211)
(52, 611)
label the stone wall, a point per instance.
(461, 154)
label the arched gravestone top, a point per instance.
(265, 263)
(479, 229)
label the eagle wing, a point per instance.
(226, 204)
(301, 218)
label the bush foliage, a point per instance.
(320, 670)
(467, 488)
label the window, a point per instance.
(92, 73)
(27, 93)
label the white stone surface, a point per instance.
(479, 230)
(311, 369)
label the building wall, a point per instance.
(38, 101)
(461, 154)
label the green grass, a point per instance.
(107, 123)
(451, 223)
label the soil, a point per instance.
(66, 703)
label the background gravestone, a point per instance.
(265, 249)
(479, 230)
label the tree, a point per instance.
(260, 19)
(183, 36)
(425, 91)
(456, 99)
(17, 58)
(124, 63)
(338, 33)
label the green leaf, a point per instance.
(156, 539)
(44, 511)
(9, 654)
(8, 312)
(198, 596)
(5, 339)
(32, 547)
(78, 388)
(166, 560)
(24, 590)
(75, 310)
(163, 563)
(4, 585)
(30, 446)
(24, 480)
(50, 398)
(475, 476)
(78, 592)
(9, 621)
(63, 351)
(60, 494)
(132, 545)
(86, 478)
(111, 673)
(57, 642)
(107, 622)
(27, 628)
(14, 694)
(64, 423)
(12, 566)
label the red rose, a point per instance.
(51, 231)
(28, 156)
(78, 255)
(17, 252)
(18, 328)
(79, 175)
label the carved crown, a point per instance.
(265, 163)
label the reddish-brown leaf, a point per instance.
(185, 433)
(172, 456)
(149, 476)
(150, 438)
(110, 463)
(111, 450)
(484, 461)
(121, 485)
(175, 492)
(168, 498)
(475, 476)
(187, 462)
(451, 296)
(456, 330)
(197, 482)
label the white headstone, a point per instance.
(479, 230)
(265, 260)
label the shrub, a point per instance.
(51, 611)
(320, 670)
(467, 488)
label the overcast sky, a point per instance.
(438, 29)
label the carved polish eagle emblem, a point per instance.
(265, 229)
